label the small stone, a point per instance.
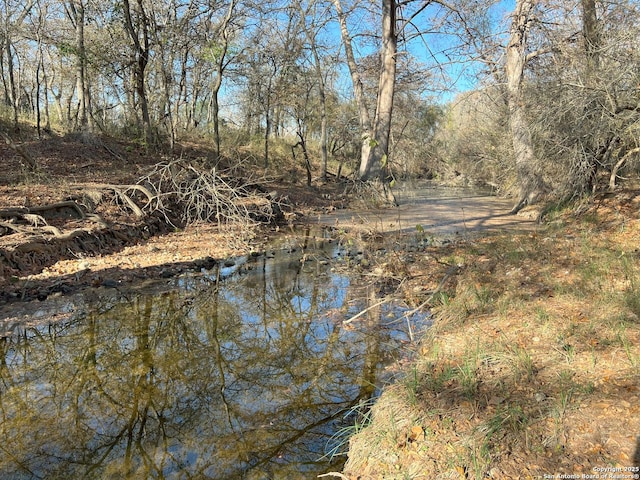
(540, 397)
(109, 283)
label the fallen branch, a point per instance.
(122, 193)
(21, 212)
(454, 269)
(334, 474)
(35, 230)
(205, 195)
(355, 317)
(13, 227)
(19, 149)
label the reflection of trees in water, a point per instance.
(237, 378)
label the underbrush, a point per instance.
(532, 366)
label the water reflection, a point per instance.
(240, 377)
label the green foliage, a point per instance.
(360, 415)
(66, 49)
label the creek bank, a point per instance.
(118, 257)
(532, 365)
(62, 246)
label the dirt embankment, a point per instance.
(83, 220)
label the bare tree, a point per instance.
(219, 56)
(137, 27)
(530, 181)
(366, 125)
(376, 131)
(372, 167)
(76, 12)
(14, 16)
(311, 36)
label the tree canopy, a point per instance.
(536, 98)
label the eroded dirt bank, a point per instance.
(80, 221)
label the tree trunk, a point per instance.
(358, 87)
(530, 181)
(221, 63)
(39, 68)
(183, 96)
(311, 37)
(78, 14)
(591, 34)
(373, 166)
(323, 106)
(141, 59)
(584, 171)
(167, 110)
(12, 82)
(267, 123)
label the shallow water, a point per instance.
(436, 211)
(244, 371)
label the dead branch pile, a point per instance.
(194, 194)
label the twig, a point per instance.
(358, 315)
(452, 270)
(334, 474)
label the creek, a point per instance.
(254, 369)
(242, 371)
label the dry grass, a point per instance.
(533, 365)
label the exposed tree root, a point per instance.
(31, 255)
(34, 237)
(124, 193)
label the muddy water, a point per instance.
(243, 371)
(443, 212)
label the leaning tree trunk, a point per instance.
(530, 182)
(358, 86)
